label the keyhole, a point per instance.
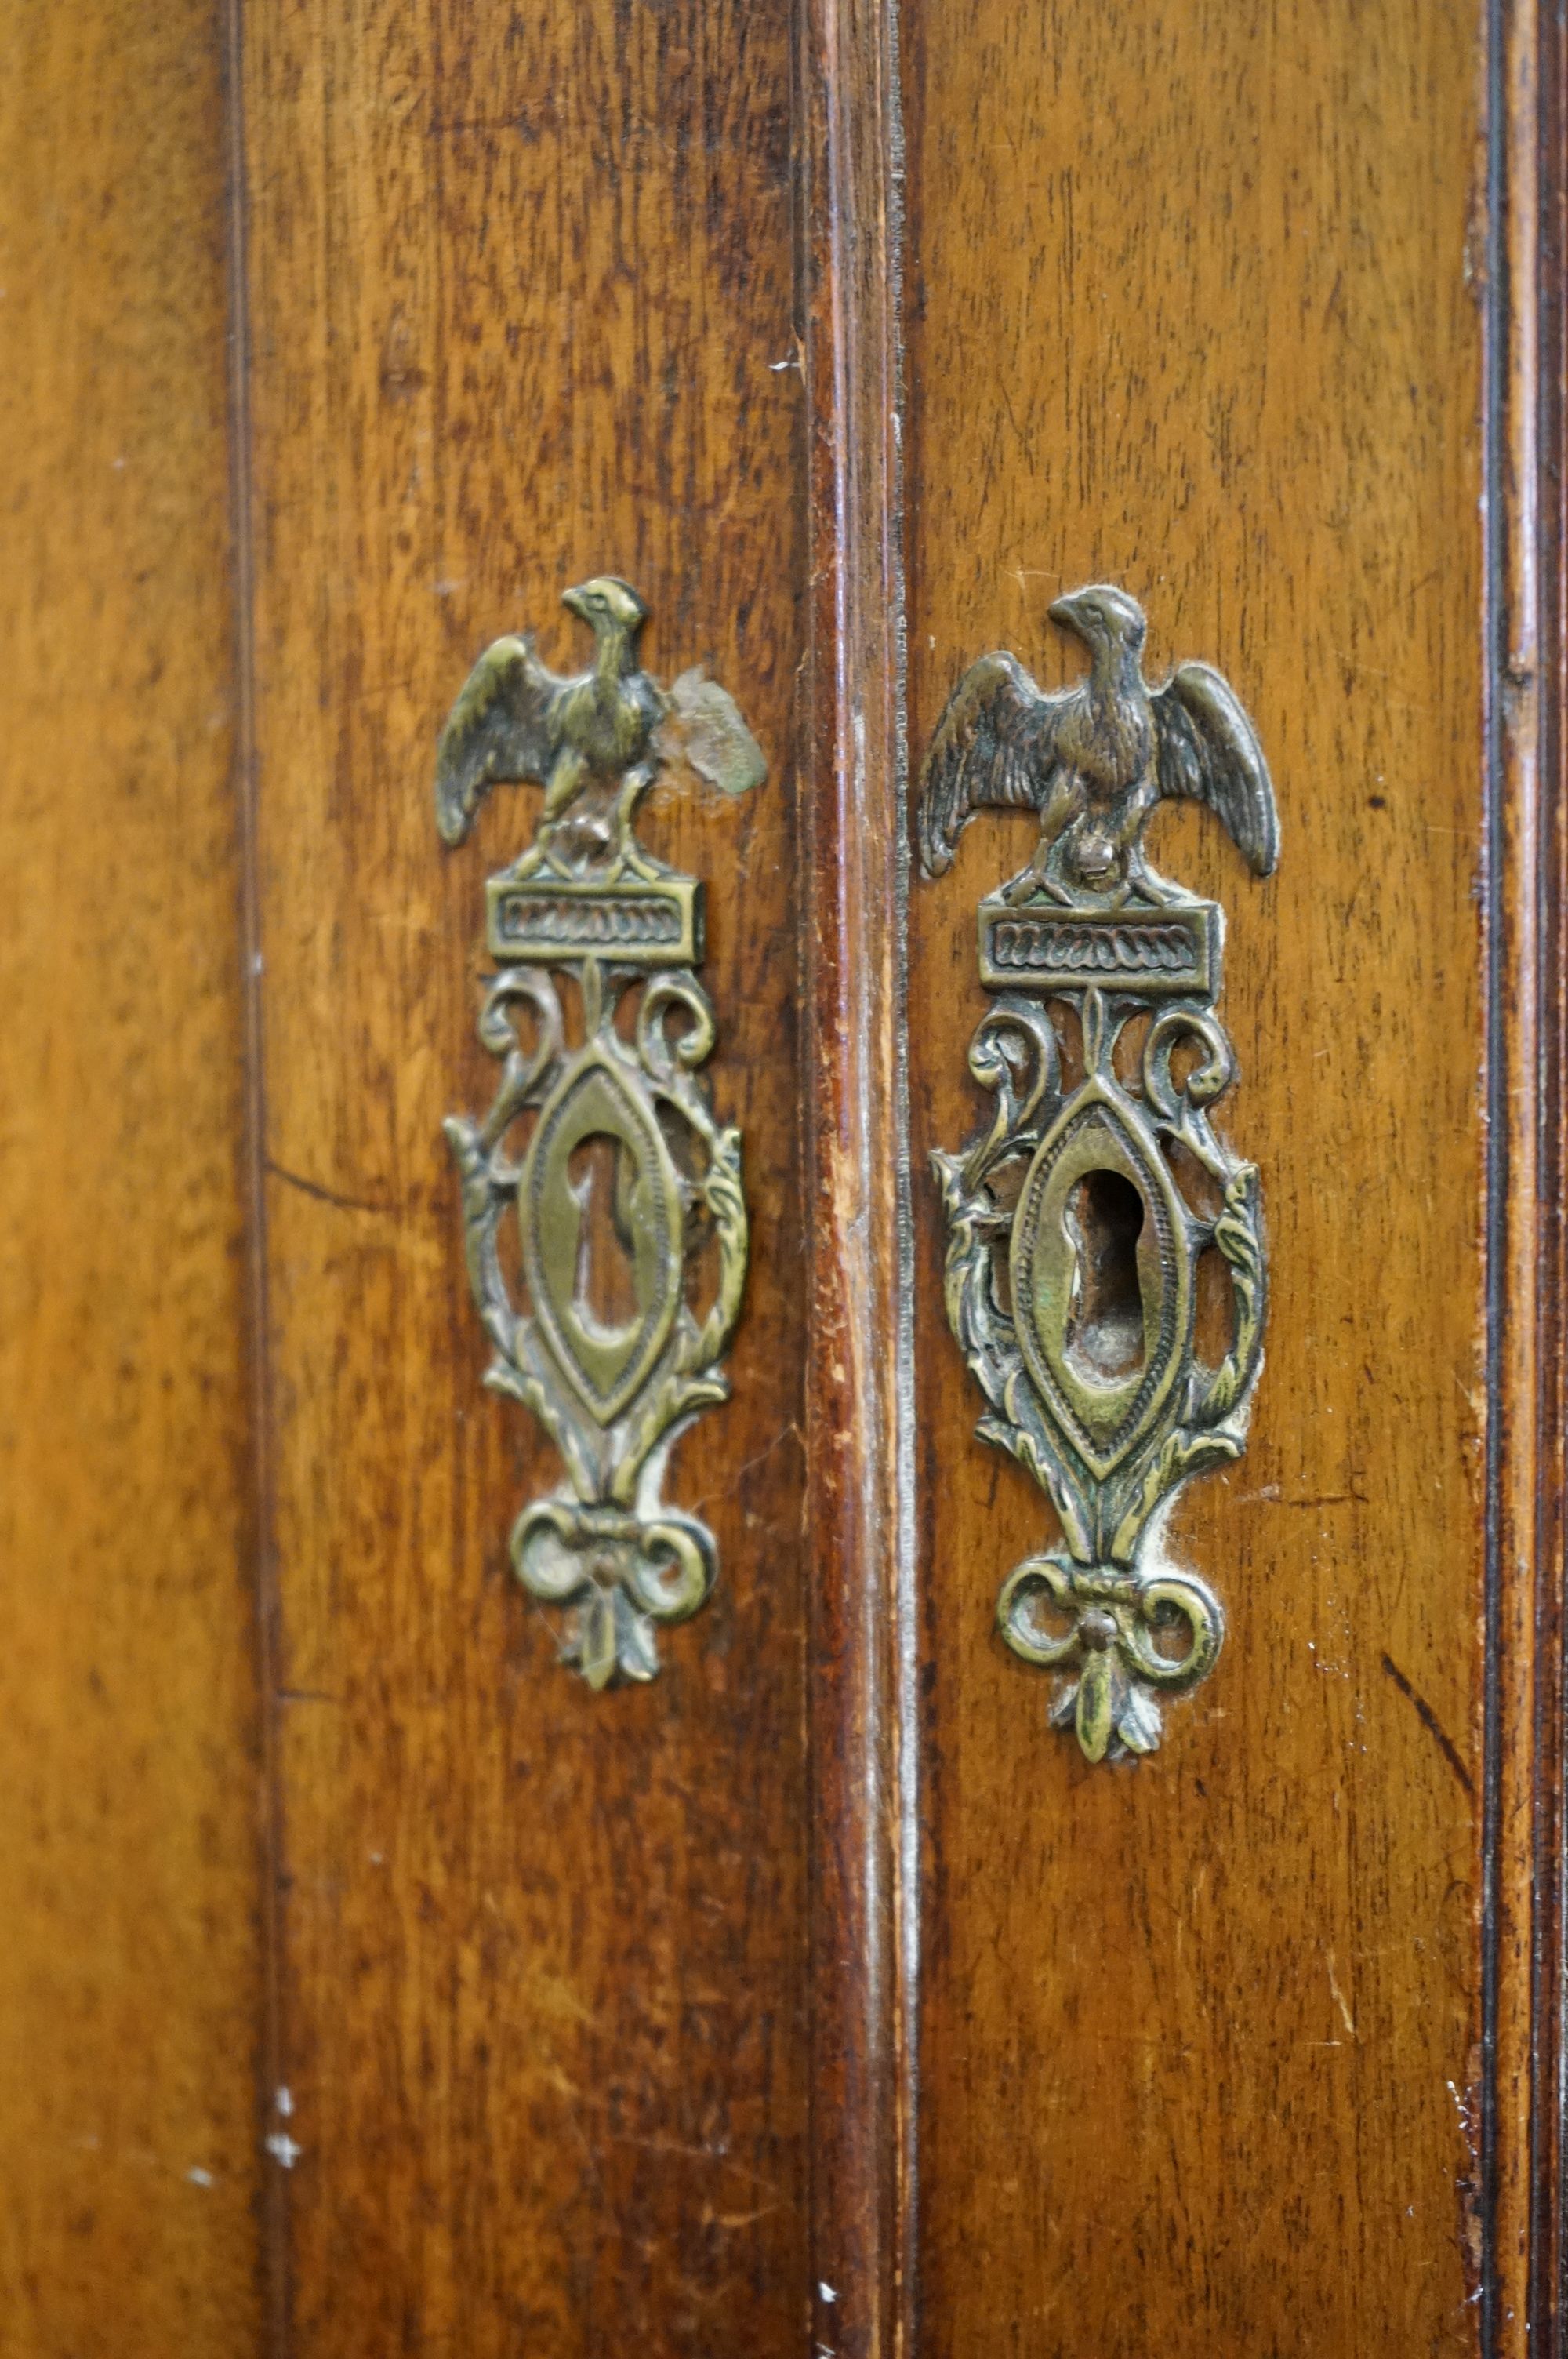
(1105, 1319)
(602, 1176)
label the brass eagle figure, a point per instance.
(595, 740)
(1094, 760)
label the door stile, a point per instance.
(860, 1384)
(127, 1857)
(515, 292)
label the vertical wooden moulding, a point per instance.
(859, 1389)
(270, 2202)
(1548, 2289)
(1527, 937)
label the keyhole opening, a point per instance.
(1105, 1322)
(602, 1176)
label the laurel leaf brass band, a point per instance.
(1077, 1219)
(600, 1026)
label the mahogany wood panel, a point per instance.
(520, 310)
(586, 2023)
(128, 1967)
(1193, 307)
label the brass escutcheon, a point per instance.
(600, 1024)
(1073, 1232)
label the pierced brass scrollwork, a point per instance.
(1078, 1221)
(600, 1024)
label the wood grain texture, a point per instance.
(520, 311)
(864, 1635)
(128, 1979)
(592, 2022)
(1194, 309)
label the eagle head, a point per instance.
(607, 605)
(1107, 621)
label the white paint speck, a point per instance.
(283, 2148)
(198, 2176)
(827, 2292)
(283, 2101)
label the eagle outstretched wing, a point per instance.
(702, 725)
(995, 743)
(505, 725)
(1207, 750)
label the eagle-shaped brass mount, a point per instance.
(631, 1225)
(1080, 1221)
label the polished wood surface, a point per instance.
(128, 1967)
(817, 1997)
(1192, 308)
(519, 311)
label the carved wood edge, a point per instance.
(1524, 2104)
(858, 1506)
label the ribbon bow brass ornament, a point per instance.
(1079, 1220)
(600, 1139)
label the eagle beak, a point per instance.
(1064, 611)
(572, 601)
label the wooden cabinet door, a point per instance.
(375, 1982)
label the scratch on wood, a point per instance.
(1430, 1720)
(323, 1195)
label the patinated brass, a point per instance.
(601, 1026)
(1077, 1220)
